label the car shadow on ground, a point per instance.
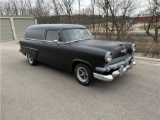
(96, 84)
(110, 85)
(120, 80)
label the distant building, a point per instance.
(147, 19)
(13, 27)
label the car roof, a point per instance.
(56, 26)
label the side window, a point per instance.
(52, 35)
(35, 34)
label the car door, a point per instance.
(51, 50)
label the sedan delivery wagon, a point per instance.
(72, 48)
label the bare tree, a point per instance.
(154, 11)
(42, 8)
(1, 8)
(68, 8)
(6, 8)
(30, 8)
(93, 14)
(56, 10)
(117, 12)
(16, 7)
(62, 9)
(104, 5)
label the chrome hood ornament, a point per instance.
(124, 49)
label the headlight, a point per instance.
(133, 48)
(108, 57)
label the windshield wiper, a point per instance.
(71, 41)
(78, 40)
(89, 38)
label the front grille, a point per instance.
(115, 60)
(122, 61)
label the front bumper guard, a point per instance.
(115, 73)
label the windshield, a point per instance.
(76, 34)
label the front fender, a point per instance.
(76, 61)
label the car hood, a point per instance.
(108, 46)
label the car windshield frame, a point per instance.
(72, 34)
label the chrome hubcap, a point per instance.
(82, 74)
(30, 58)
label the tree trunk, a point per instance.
(156, 35)
(118, 35)
(106, 5)
(107, 25)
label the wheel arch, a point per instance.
(28, 50)
(78, 61)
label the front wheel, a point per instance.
(83, 74)
(31, 60)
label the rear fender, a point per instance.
(29, 50)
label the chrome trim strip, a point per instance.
(103, 77)
(70, 41)
(114, 74)
(74, 41)
(53, 41)
(30, 48)
(50, 41)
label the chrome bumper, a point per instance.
(115, 73)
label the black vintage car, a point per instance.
(73, 48)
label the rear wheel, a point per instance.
(31, 60)
(83, 74)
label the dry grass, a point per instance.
(146, 48)
(151, 27)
